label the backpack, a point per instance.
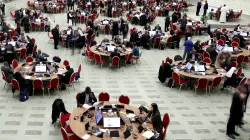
(57, 59)
(23, 96)
(77, 76)
(170, 82)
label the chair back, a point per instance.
(222, 37)
(98, 58)
(29, 59)
(77, 96)
(93, 37)
(162, 64)
(239, 72)
(34, 49)
(62, 119)
(214, 36)
(124, 99)
(157, 40)
(130, 56)
(165, 123)
(65, 62)
(14, 63)
(15, 84)
(236, 39)
(54, 83)
(4, 77)
(104, 96)
(176, 77)
(240, 59)
(23, 52)
(169, 40)
(197, 29)
(220, 42)
(33, 25)
(167, 59)
(224, 30)
(107, 27)
(202, 83)
(115, 60)
(207, 60)
(234, 64)
(42, 25)
(242, 81)
(235, 44)
(79, 69)
(14, 38)
(203, 44)
(37, 84)
(72, 78)
(206, 55)
(216, 81)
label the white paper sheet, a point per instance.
(87, 106)
(148, 134)
(27, 77)
(86, 136)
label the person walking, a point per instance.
(198, 8)
(205, 8)
(236, 111)
(188, 44)
(2, 8)
(167, 22)
(55, 33)
(223, 14)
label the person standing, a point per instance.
(26, 23)
(69, 3)
(3, 8)
(188, 44)
(55, 33)
(205, 8)
(236, 111)
(198, 8)
(247, 85)
(167, 22)
(223, 14)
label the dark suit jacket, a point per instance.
(67, 75)
(189, 56)
(114, 54)
(30, 47)
(56, 33)
(134, 37)
(81, 100)
(236, 111)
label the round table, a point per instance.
(29, 67)
(99, 50)
(78, 127)
(211, 76)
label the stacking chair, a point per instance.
(165, 123)
(37, 84)
(71, 80)
(104, 96)
(202, 83)
(5, 79)
(124, 99)
(54, 83)
(177, 79)
(115, 61)
(214, 83)
(14, 63)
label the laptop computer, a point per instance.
(40, 69)
(111, 122)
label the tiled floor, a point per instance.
(192, 118)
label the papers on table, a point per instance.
(103, 130)
(38, 20)
(68, 32)
(219, 48)
(229, 49)
(86, 136)
(148, 134)
(60, 71)
(27, 67)
(130, 115)
(199, 68)
(188, 66)
(189, 24)
(13, 43)
(243, 34)
(87, 106)
(111, 48)
(152, 33)
(157, 8)
(105, 22)
(27, 77)
(230, 72)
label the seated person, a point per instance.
(156, 35)
(157, 27)
(212, 52)
(5, 37)
(86, 97)
(154, 117)
(117, 40)
(192, 56)
(115, 53)
(198, 47)
(21, 38)
(147, 27)
(223, 59)
(105, 40)
(8, 71)
(66, 77)
(231, 78)
(136, 52)
(19, 77)
(127, 43)
(40, 56)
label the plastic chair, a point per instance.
(124, 99)
(243, 80)
(177, 79)
(14, 63)
(202, 83)
(235, 44)
(236, 39)
(165, 123)
(33, 26)
(93, 37)
(37, 84)
(207, 60)
(214, 83)
(77, 98)
(64, 125)
(115, 61)
(5, 79)
(220, 42)
(42, 26)
(14, 38)
(157, 41)
(15, 85)
(222, 37)
(234, 64)
(82, 18)
(99, 59)
(104, 96)
(23, 53)
(70, 137)
(29, 59)
(54, 83)
(65, 62)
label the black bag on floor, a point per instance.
(23, 96)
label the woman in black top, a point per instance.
(154, 117)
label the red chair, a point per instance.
(99, 59)
(23, 53)
(42, 26)
(224, 30)
(240, 59)
(220, 42)
(177, 79)
(197, 30)
(222, 37)
(115, 61)
(206, 55)
(234, 64)
(246, 59)
(29, 59)
(15, 85)
(50, 36)
(37, 84)
(53, 84)
(63, 118)
(236, 39)
(214, 83)
(33, 40)
(165, 123)
(124, 99)
(103, 96)
(107, 28)
(239, 71)
(207, 60)
(198, 22)
(157, 41)
(235, 44)
(82, 18)
(65, 62)
(14, 38)
(203, 44)
(214, 36)
(71, 80)
(127, 58)
(167, 59)
(202, 83)
(33, 26)
(243, 80)
(5, 79)
(79, 69)
(34, 49)
(70, 137)
(89, 55)
(93, 37)
(14, 63)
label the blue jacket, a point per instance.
(188, 45)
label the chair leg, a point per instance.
(33, 91)
(4, 85)
(73, 87)
(180, 88)
(209, 89)
(195, 91)
(206, 91)
(48, 91)
(43, 92)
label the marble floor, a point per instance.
(192, 118)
